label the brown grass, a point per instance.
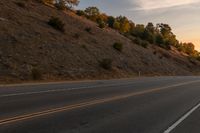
(26, 41)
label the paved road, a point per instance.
(145, 105)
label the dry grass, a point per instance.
(27, 41)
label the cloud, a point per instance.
(158, 4)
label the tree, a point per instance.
(92, 13)
(166, 31)
(124, 24)
(138, 30)
(103, 17)
(159, 39)
(111, 21)
(116, 25)
(188, 48)
(67, 3)
(80, 13)
(72, 3)
(60, 4)
(132, 26)
(148, 36)
(150, 27)
(149, 33)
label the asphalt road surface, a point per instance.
(143, 105)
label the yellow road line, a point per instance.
(86, 104)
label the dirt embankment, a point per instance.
(28, 43)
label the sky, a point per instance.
(182, 15)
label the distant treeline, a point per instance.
(160, 34)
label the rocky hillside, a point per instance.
(32, 49)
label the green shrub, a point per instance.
(137, 41)
(57, 24)
(140, 42)
(144, 44)
(118, 46)
(106, 64)
(36, 74)
(80, 13)
(102, 25)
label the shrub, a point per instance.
(84, 46)
(88, 29)
(102, 25)
(21, 4)
(36, 74)
(144, 44)
(166, 55)
(137, 41)
(60, 6)
(76, 35)
(192, 60)
(57, 24)
(198, 58)
(40, 1)
(45, 1)
(80, 13)
(118, 46)
(140, 42)
(106, 64)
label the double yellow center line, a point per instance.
(86, 104)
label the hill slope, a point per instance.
(27, 42)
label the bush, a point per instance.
(192, 60)
(80, 13)
(88, 29)
(76, 35)
(198, 58)
(102, 25)
(45, 1)
(36, 74)
(40, 1)
(106, 64)
(60, 5)
(118, 46)
(144, 44)
(84, 46)
(21, 4)
(57, 24)
(140, 42)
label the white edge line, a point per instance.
(182, 119)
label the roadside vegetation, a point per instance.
(106, 64)
(36, 74)
(118, 46)
(160, 34)
(57, 24)
(80, 44)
